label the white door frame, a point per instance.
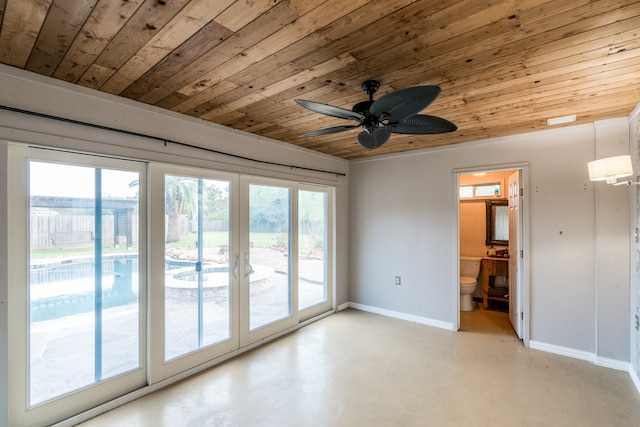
(524, 286)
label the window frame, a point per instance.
(475, 188)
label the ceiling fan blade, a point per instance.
(403, 103)
(330, 110)
(422, 125)
(375, 139)
(328, 131)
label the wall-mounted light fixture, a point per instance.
(610, 169)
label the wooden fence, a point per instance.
(72, 231)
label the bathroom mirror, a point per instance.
(497, 222)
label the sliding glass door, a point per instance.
(124, 274)
(82, 228)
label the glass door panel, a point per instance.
(83, 277)
(197, 274)
(269, 252)
(268, 285)
(120, 272)
(313, 240)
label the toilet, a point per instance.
(469, 271)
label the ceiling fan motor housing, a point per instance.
(370, 124)
(362, 107)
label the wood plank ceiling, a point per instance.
(504, 66)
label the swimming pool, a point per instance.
(64, 287)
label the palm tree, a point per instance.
(179, 198)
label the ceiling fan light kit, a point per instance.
(395, 112)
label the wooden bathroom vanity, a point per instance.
(491, 267)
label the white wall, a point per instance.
(28, 91)
(612, 247)
(402, 223)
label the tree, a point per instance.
(179, 198)
(216, 198)
(311, 213)
(269, 209)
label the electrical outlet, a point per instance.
(398, 280)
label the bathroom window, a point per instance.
(480, 190)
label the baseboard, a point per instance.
(563, 351)
(612, 364)
(343, 306)
(581, 355)
(402, 316)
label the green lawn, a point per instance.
(211, 238)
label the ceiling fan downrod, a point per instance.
(370, 123)
(370, 87)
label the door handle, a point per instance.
(248, 269)
(236, 266)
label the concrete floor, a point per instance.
(360, 369)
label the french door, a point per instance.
(285, 257)
(224, 264)
(124, 274)
(194, 268)
(268, 286)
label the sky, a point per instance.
(52, 179)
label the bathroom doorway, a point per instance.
(492, 224)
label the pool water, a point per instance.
(63, 288)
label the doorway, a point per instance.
(491, 227)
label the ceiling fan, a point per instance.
(395, 112)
